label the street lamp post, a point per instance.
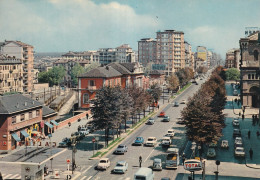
(216, 172)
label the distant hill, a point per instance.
(48, 54)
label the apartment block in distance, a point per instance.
(171, 50)
(20, 50)
(232, 58)
(125, 54)
(146, 51)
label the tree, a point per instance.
(232, 74)
(75, 72)
(202, 70)
(173, 82)
(155, 92)
(128, 103)
(107, 109)
(54, 76)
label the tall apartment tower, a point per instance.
(146, 51)
(20, 50)
(171, 50)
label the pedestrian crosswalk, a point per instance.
(11, 176)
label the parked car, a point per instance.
(150, 121)
(138, 141)
(238, 144)
(183, 101)
(170, 133)
(85, 131)
(224, 144)
(213, 145)
(144, 174)
(103, 164)
(180, 121)
(166, 141)
(157, 164)
(240, 152)
(236, 133)
(162, 114)
(121, 149)
(211, 153)
(235, 122)
(176, 104)
(238, 140)
(166, 119)
(66, 142)
(121, 167)
(151, 141)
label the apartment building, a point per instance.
(23, 51)
(249, 68)
(125, 54)
(147, 51)
(171, 50)
(91, 56)
(107, 55)
(189, 56)
(11, 74)
(232, 58)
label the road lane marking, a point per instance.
(86, 169)
(83, 177)
(150, 153)
(14, 176)
(5, 177)
(89, 178)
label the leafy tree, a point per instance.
(202, 70)
(54, 76)
(75, 72)
(173, 82)
(127, 103)
(43, 77)
(232, 74)
(107, 109)
(155, 92)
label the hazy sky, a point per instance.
(80, 25)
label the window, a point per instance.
(253, 76)
(14, 119)
(256, 55)
(22, 117)
(249, 76)
(37, 113)
(30, 115)
(91, 83)
(85, 98)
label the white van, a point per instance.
(144, 173)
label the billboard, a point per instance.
(192, 165)
(251, 30)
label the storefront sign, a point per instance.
(192, 165)
(53, 144)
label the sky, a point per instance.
(81, 25)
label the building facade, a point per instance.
(147, 51)
(232, 58)
(249, 70)
(25, 52)
(125, 54)
(11, 74)
(91, 56)
(189, 56)
(171, 50)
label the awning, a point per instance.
(16, 137)
(24, 133)
(54, 122)
(49, 125)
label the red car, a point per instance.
(162, 114)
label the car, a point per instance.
(85, 131)
(66, 142)
(183, 101)
(166, 119)
(162, 114)
(224, 144)
(120, 168)
(150, 121)
(76, 135)
(211, 153)
(213, 145)
(238, 140)
(197, 83)
(236, 133)
(235, 122)
(157, 164)
(90, 128)
(180, 121)
(238, 144)
(121, 149)
(176, 104)
(104, 164)
(138, 141)
(165, 178)
(151, 141)
(166, 141)
(170, 133)
(240, 152)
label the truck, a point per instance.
(172, 159)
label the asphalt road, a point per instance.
(158, 130)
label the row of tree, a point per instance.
(113, 106)
(180, 78)
(203, 115)
(56, 75)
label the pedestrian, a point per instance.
(69, 124)
(87, 116)
(79, 128)
(183, 158)
(158, 107)
(257, 133)
(140, 161)
(251, 153)
(1, 177)
(243, 116)
(249, 134)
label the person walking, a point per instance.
(257, 133)
(87, 115)
(251, 153)
(249, 134)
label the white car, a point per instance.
(239, 151)
(235, 122)
(103, 164)
(183, 101)
(170, 133)
(238, 140)
(224, 144)
(85, 131)
(151, 141)
(166, 141)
